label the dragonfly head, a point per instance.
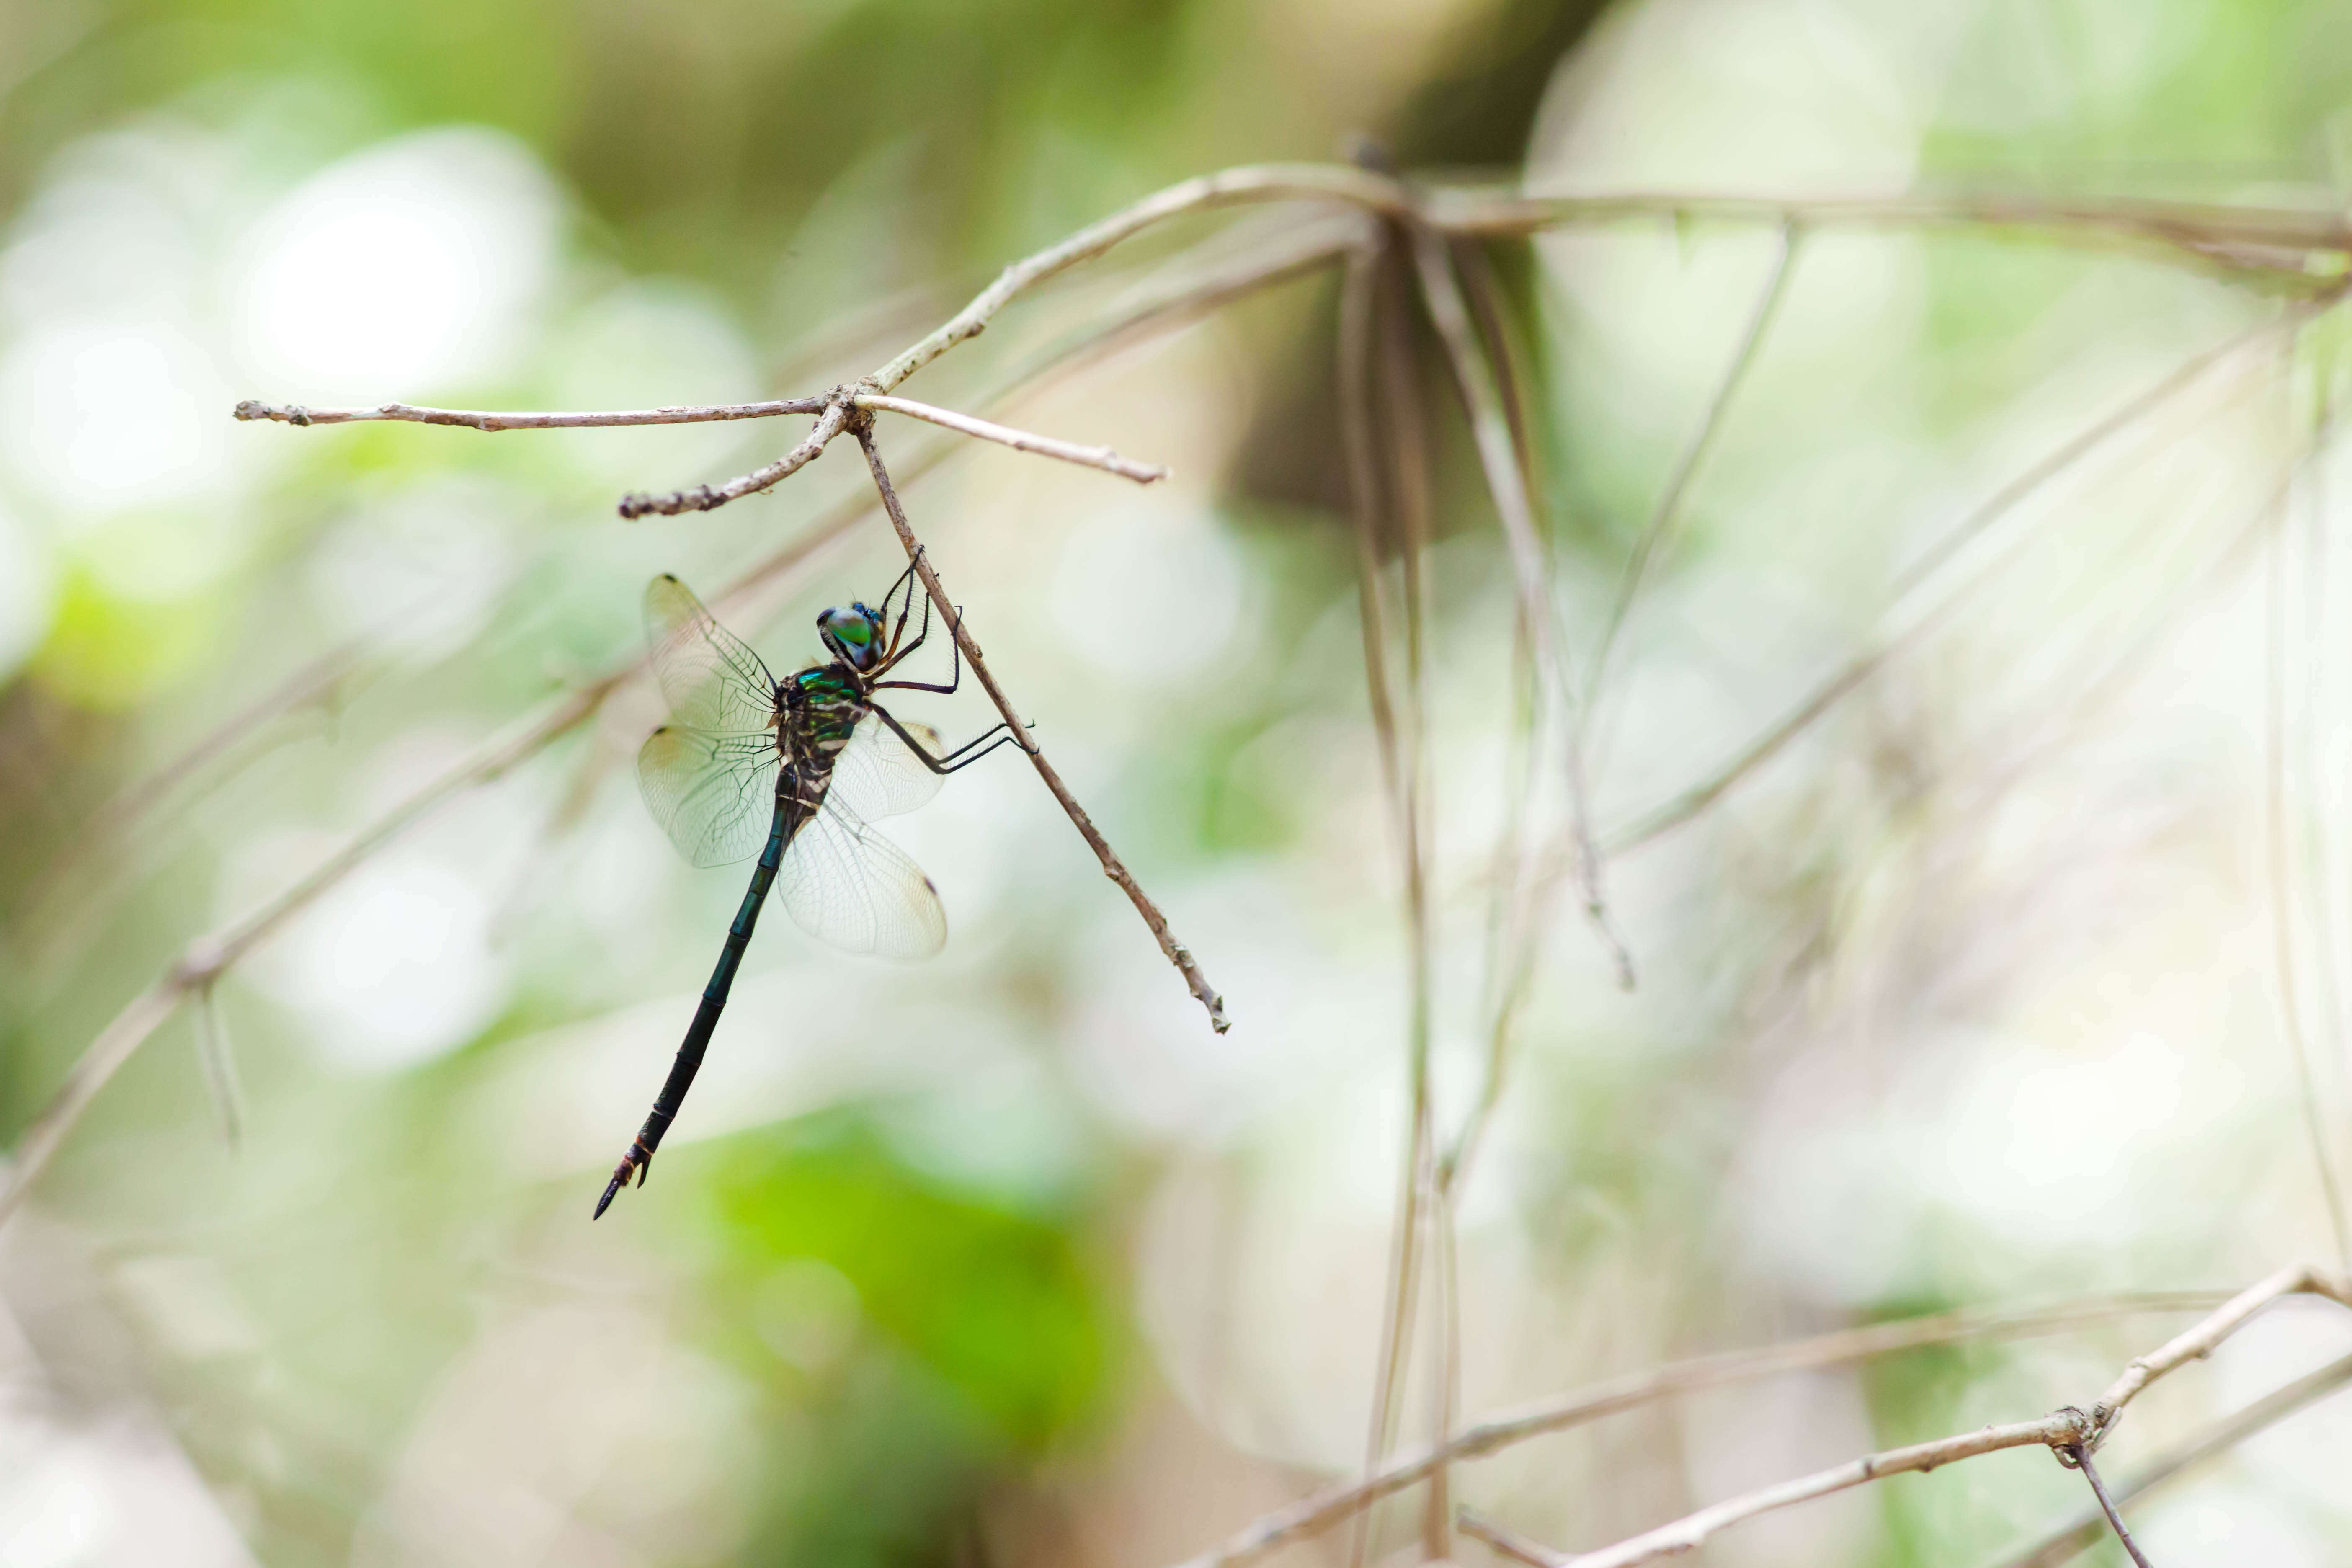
(854, 635)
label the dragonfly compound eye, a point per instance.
(853, 636)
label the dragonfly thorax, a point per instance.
(821, 708)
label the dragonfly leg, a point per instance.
(949, 763)
(892, 654)
(955, 660)
(900, 652)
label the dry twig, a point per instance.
(1319, 1512)
(1505, 481)
(1101, 458)
(2081, 1533)
(1113, 868)
(2067, 1431)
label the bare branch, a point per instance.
(1324, 1508)
(1177, 952)
(2235, 238)
(1690, 1533)
(2068, 1431)
(2077, 1457)
(1262, 183)
(1511, 1544)
(2082, 1532)
(703, 497)
(1505, 481)
(1101, 458)
(491, 422)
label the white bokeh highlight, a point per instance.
(413, 265)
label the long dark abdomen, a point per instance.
(799, 789)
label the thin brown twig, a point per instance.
(703, 497)
(1359, 301)
(1394, 370)
(2082, 1531)
(491, 421)
(1490, 432)
(2069, 1431)
(2077, 1457)
(1509, 1544)
(1319, 1512)
(1113, 868)
(1101, 458)
(1517, 911)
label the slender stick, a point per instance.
(492, 422)
(1178, 954)
(2081, 1533)
(2075, 1435)
(1693, 1530)
(1101, 458)
(703, 497)
(1505, 481)
(1262, 183)
(2077, 1457)
(1518, 912)
(1319, 1512)
(1516, 1547)
(1354, 392)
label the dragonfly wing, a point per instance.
(713, 795)
(712, 678)
(845, 884)
(876, 775)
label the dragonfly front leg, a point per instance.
(955, 659)
(894, 653)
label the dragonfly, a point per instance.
(796, 770)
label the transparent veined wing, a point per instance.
(713, 681)
(715, 795)
(877, 777)
(845, 884)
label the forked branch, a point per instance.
(1324, 1508)
(2074, 1434)
(491, 422)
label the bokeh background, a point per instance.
(1972, 995)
